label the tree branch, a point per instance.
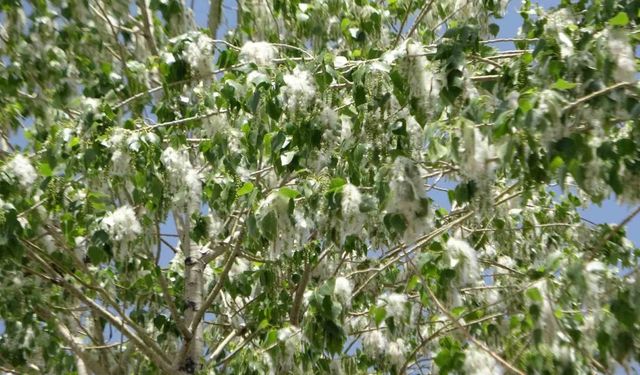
(402, 23)
(187, 119)
(423, 13)
(148, 35)
(465, 332)
(66, 335)
(297, 300)
(216, 289)
(612, 233)
(143, 342)
(172, 306)
(215, 13)
(167, 296)
(123, 58)
(222, 345)
(604, 91)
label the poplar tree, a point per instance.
(327, 187)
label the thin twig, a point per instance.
(222, 345)
(115, 36)
(586, 98)
(500, 40)
(485, 78)
(176, 83)
(172, 306)
(309, 55)
(237, 350)
(143, 343)
(216, 289)
(591, 254)
(449, 16)
(423, 13)
(297, 300)
(468, 335)
(148, 35)
(67, 336)
(486, 61)
(404, 21)
(186, 119)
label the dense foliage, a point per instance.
(265, 202)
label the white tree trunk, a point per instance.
(193, 290)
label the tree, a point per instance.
(267, 202)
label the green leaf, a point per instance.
(450, 358)
(199, 230)
(323, 79)
(614, 181)
(228, 91)
(272, 337)
(399, 86)
(556, 163)
(413, 283)
(625, 147)
(263, 324)
(245, 189)
(252, 226)
(561, 84)
(464, 192)
(534, 294)
(254, 101)
(159, 321)
(458, 311)
(360, 95)
(274, 109)
(524, 103)
(45, 169)
(494, 29)
(623, 345)
(395, 223)
(74, 142)
(344, 25)
(620, 19)
(96, 255)
(378, 313)
(336, 182)
(288, 192)
(451, 194)
(269, 226)
(624, 312)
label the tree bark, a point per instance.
(193, 290)
(215, 14)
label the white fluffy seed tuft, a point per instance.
(622, 54)
(259, 53)
(184, 181)
(122, 225)
(343, 289)
(464, 259)
(21, 169)
(299, 89)
(395, 304)
(199, 53)
(479, 362)
(374, 343)
(396, 352)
